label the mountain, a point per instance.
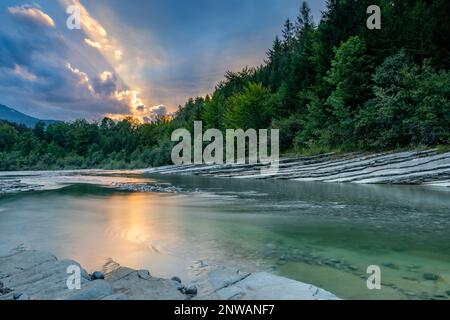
(12, 115)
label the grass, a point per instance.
(443, 148)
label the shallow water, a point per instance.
(324, 234)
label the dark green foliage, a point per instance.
(336, 85)
(325, 81)
(108, 144)
(411, 106)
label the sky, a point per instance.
(135, 57)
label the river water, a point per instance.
(324, 234)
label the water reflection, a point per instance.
(325, 234)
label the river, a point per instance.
(323, 234)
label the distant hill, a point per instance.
(12, 115)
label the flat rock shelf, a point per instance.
(36, 275)
(428, 167)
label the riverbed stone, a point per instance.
(176, 279)
(136, 288)
(94, 290)
(409, 167)
(21, 296)
(191, 289)
(144, 274)
(98, 275)
(36, 275)
(430, 276)
(391, 265)
(179, 286)
(230, 284)
(266, 286)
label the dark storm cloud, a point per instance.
(105, 83)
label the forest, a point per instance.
(331, 86)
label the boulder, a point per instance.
(176, 279)
(144, 274)
(190, 290)
(97, 275)
(430, 276)
(21, 296)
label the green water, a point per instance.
(324, 234)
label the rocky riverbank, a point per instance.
(36, 275)
(428, 167)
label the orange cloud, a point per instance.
(93, 44)
(32, 14)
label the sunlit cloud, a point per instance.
(88, 24)
(24, 73)
(126, 59)
(108, 46)
(118, 54)
(93, 44)
(82, 76)
(30, 14)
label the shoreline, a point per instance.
(37, 275)
(427, 167)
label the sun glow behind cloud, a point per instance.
(112, 51)
(159, 53)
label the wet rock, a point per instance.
(97, 275)
(12, 186)
(93, 290)
(413, 267)
(335, 261)
(144, 274)
(281, 262)
(190, 290)
(43, 277)
(391, 265)
(410, 167)
(21, 296)
(447, 292)
(135, 187)
(3, 289)
(352, 267)
(409, 278)
(179, 286)
(430, 276)
(263, 286)
(176, 279)
(126, 281)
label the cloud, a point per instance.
(93, 44)
(105, 83)
(118, 54)
(98, 37)
(88, 23)
(28, 14)
(24, 73)
(159, 110)
(108, 83)
(37, 71)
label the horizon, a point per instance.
(127, 60)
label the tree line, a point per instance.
(332, 86)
